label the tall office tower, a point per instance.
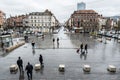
(81, 6)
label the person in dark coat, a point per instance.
(41, 59)
(20, 64)
(25, 38)
(81, 47)
(86, 48)
(53, 40)
(43, 37)
(57, 40)
(2, 46)
(33, 44)
(29, 69)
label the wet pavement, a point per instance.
(99, 56)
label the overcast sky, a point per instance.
(62, 9)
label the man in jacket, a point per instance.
(20, 64)
(86, 48)
(33, 44)
(81, 47)
(41, 59)
(29, 69)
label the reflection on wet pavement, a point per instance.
(99, 56)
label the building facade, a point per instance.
(109, 24)
(85, 21)
(81, 6)
(102, 23)
(16, 22)
(42, 21)
(68, 23)
(2, 19)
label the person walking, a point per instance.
(86, 48)
(43, 37)
(41, 60)
(53, 43)
(20, 64)
(29, 69)
(33, 44)
(81, 47)
(53, 40)
(57, 42)
(25, 38)
(2, 46)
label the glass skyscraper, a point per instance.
(81, 6)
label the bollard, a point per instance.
(111, 68)
(37, 67)
(86, 68)
(61, 67)
(13, 68)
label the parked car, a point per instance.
(55, 31)
(108, 34)
(119, 37)
(39, 34)
(115, 36)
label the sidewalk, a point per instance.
(15, 41)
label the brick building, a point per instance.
(85, 21)
(16, 22)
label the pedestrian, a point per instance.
(20, 64)
(78, 50)
(43, 37)
(33, 44)
(25, 38)
(53, 40)
(81, 47)
(29, 69)
(2, 46)
(41, 60)
(86, 48)
(57, 40)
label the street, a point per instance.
(99, 56)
